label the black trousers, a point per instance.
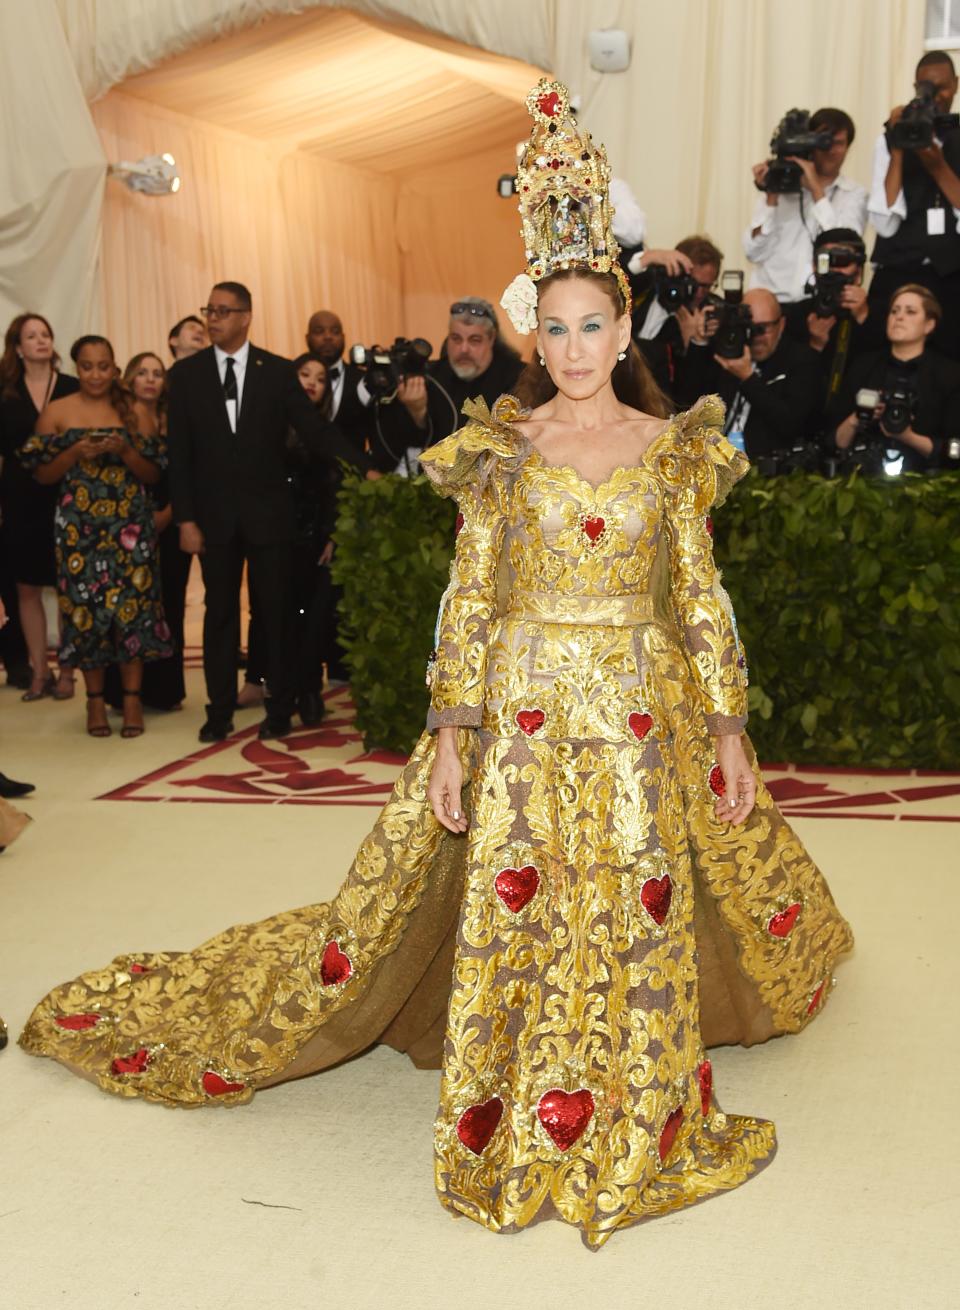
(886, 281)
(312, 602)
(269, 578)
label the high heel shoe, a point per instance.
(63, 688)
(38, 693)
(130, 730)
(97, 729)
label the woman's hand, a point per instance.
(326, 555)
(114, 444)
(87, 449)
(446, 782)
(740, 795)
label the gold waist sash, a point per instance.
(608, 611)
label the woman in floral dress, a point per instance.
(107, 578)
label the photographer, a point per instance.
(474, 362)
(832, 319)
(915, 198)
(669, 288)
(786, 223)
(771, 389)
(905, 400)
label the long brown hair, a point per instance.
(120, 397)
(130, 372)
(633, 383)
(11, 365)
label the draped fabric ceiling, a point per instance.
(346, 156)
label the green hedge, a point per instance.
(847, 593)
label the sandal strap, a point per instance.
(133, 693)
(94, 695)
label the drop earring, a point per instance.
(543, 362)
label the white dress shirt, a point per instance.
(240, 369)
(885, 218)
(782, 250)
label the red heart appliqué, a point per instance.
(477, 1125)
(565, 1115)
(705, 1083)
(816, 998)
(655, 897)
(549, 104)
(135, 1063)
(781, 923)
(458, 524)
(517, 887)
(139, 968)
(593, 528)
(709, 525)
(214, 1085)
(640, 724)
(335, 967)
(669, 1134)
(77, 1023)
(529, 721)
(718, 783)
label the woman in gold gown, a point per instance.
(579, 881)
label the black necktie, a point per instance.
(230, 380)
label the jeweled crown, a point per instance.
(563, 183)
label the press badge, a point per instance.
(936, 221)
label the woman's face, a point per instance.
(907, 322)
(95, 370)
(147, 382)
(313, 379)
(580, 335)
(36, 342)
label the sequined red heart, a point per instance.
(517, 887)
(718, 783)
(214, 1085)
(705, 1083)
(669, 1134)
(565, 1115)
(135, 1063)
(816, 998)
(655, 897)
(139, 968)
(549, 104)
(593, 527)
(709, 525)
(335, 967)
(77, 1023)
(529, 721)
(781, 923)
(477, 1125)
(640, 724)
(458, 524)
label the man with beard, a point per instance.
(474, 362)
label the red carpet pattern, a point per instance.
(327, 765)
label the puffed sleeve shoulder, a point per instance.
(696, 462)
(484, 449)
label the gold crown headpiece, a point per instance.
(563, 183)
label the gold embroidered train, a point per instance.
(572, 956)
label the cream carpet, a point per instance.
(320, 1194)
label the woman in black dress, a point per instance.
(30, 379)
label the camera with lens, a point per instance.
(384, 368)
(828, 281)
(730, 319)
(793, 136)
(674, 291)
(920, 122)
(899, 400)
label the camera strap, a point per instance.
(840, 353)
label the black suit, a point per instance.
(234, 486)
(354, 419)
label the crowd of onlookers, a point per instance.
(114, 478)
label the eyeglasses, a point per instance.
(477, 311)
(219, 311)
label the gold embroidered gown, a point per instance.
(596, 927)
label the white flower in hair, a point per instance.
(520, 302)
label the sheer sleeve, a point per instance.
(469, 467)
(698, 472)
